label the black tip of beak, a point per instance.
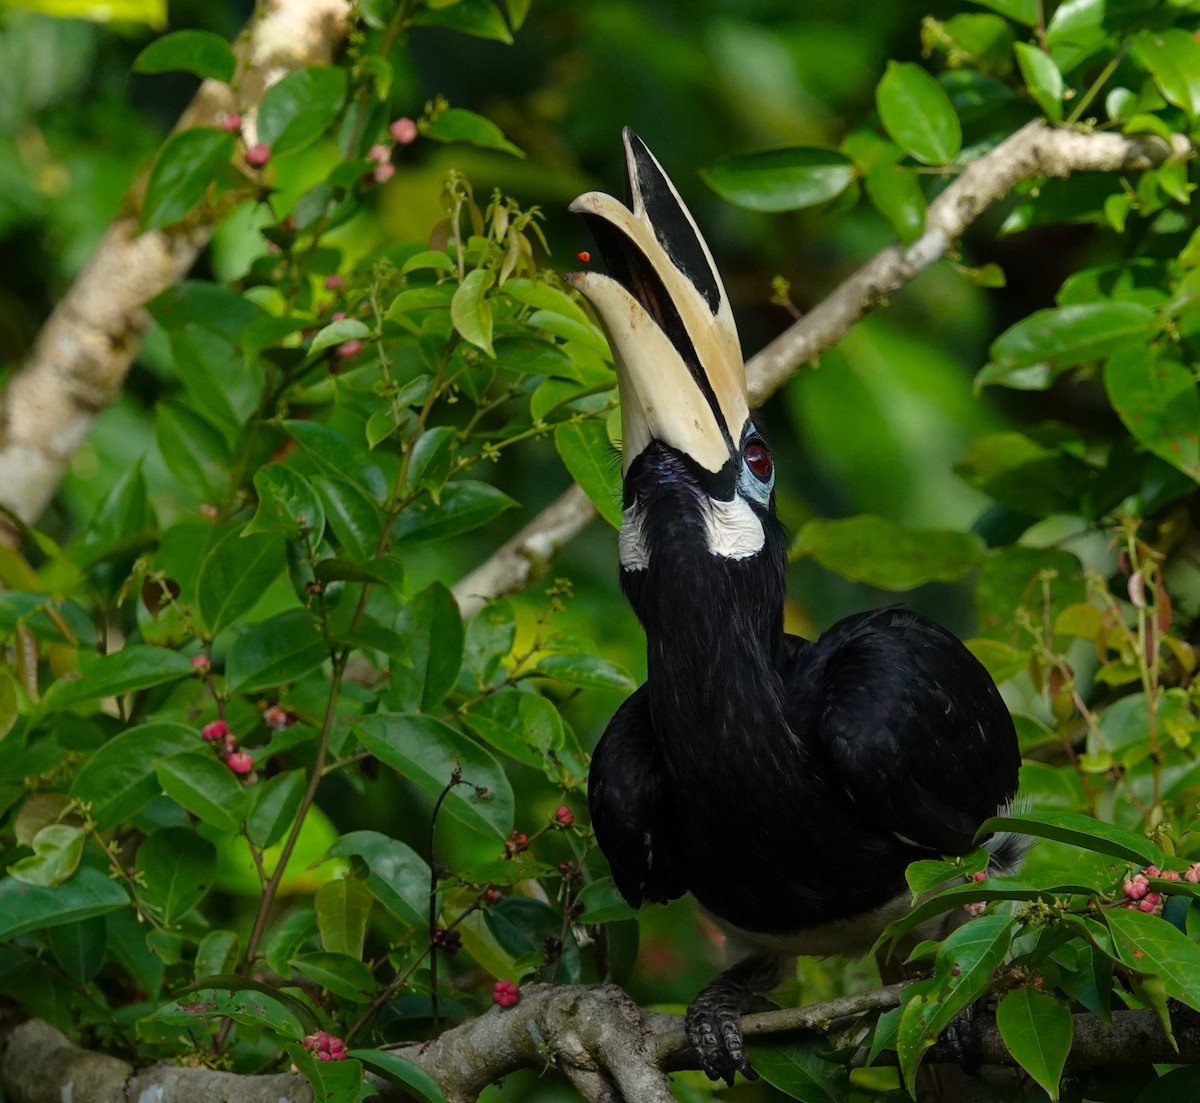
(651, 191)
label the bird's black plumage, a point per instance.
(786, 784)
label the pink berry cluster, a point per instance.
(325, 1047)
(1136, 887)
(505, 994)
(218, 733)
(563, 816)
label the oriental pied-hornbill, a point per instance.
(786, 784)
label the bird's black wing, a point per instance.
(630, 806)
(912, 725)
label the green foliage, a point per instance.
(260, 779)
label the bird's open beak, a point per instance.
(679, 364)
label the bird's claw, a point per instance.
(713, 1025)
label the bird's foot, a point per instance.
(713, 1022)
(714, 1027)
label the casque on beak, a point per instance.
(672, 334)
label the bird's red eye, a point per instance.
(758, 459)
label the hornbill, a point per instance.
(786, 784)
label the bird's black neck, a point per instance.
(714, 645)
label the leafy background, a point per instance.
(1010, 445)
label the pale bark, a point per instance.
(78, 363)
(607, 1047)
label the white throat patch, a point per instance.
(732, 528)
(631, 542)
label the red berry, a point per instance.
(1172, 875)
(583, 256)
(980, 876)
(564, 816)
(516, 842)
(215, 731)
(505, 993)
(258, 155)
(201, 663)
(492, 896)
(239, 762)
(384, 173)
(380, 154)
(1192, 876)
(231, 122)
(335, 282)
(349, 348)
(276, 717)
(404, 130)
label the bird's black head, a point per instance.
(699, 542)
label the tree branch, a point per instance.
(1034, 151)
(596, 1036)
(79, 361)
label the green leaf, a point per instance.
(1149, 944)
(57, 849)
(1019, 578)
(200, 52)
(343, 907)
(586, 670)
(176, 870)
(356, 521)
(194, 450)
(524, 726)
(216, 955)
(1028, 477)
(917, 114)
(25, 908)
(402, 1070)
(465, 505)
(1061, 337)
(132, 668)
(1157, 400)
(300, 108)
(781, 179)
(425, 673)
(873, 550)
(800, 1070)
(896, 193)
(1172, 57)
(457, 124)
(80, 948)
(1042, 78)
(275, 808)
(480, 18)
(280, 649)
(1019, 11)
(593, 463)
(471, 311)
(344, 329)
(341, 974)
(119, 779)
(331, 1081)
(251, 1006)
(234, 574)
(206, 788)
(181, 174)
(335, 453)
(287, 503)
(1037, 1031)
(397, 876)
(543, 296)
(603, 903)
(429, 460)
(429, 753)
(965, 962)
(1079, 830)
